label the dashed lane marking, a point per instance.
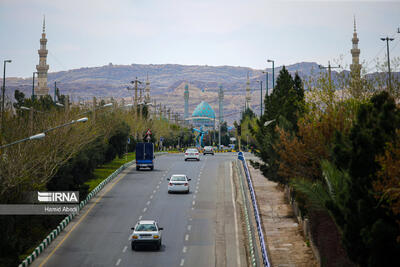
(182, 262)
(189, 227)
(140, 217)
(124, 250)
(151, 197)
(186, 237)
(154, 191)
(118, 262)
(194, 196)
(148, 203)
(144, 210)
(184, 249)
(193, 202)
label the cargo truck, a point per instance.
(145, 156)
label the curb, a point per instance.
(55, 232)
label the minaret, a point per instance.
(147, 95)
(221, 113)
(186, 97)
(248, 93)
(355, 67)
(42, 68)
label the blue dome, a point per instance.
(204, 110)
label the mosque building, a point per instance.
(203, 115)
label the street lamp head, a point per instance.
(391, 39)
(270, 60)
(269, 122)
(108, 105)
(25, 108)
(128, 105)
(383, 39)
(8, 60)
(84, 119)
(59, 104)
(37, 136)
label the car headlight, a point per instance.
(156, 236)
(135, 237)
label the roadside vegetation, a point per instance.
(72, 158)
(337, 146)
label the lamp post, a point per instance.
(387, 39)
(33, 86)
(273, 72)
(43, 134)
(329, 72)
(3, 93)
(259, 81)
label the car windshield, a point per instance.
(146, 228)
(178, 178)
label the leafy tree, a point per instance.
(283, 107)
(369, 232)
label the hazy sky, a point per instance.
(200, 32)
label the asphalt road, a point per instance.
(199, 229)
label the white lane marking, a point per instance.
(194, 196)
(193, 202)
(154, 191)
(125, 248)
(182, 262)
(196, 191)
(235, 216)
(118, 262)
(184, 249)
(197, 187)
(148, 203)
(199, 179)
(189, 227)
(159, 182)
(158, 187)
(144, 210)
(186, 237)
(151, 197)
(140, 217)
(200, 173)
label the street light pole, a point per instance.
(329, 72)
(273, 72)
(3, 93)
(260, 81)
(387, 39)
(33, 86)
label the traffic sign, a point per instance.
(148, 132)
(161, 139)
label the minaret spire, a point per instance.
(42, 67)
(355, 66)
(248, 93)
(44, 23)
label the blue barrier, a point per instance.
(256, 212)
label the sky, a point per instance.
(85, 33)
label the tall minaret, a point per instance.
(248, 93)
(355, 67)
(147, 95)
(42, 68)
(186, 97)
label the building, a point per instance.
(42, 68)
(355, 66)
(203, 115)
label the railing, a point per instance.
(256, 212)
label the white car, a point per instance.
(146, 232)
(178, 183)
(208, 150)
(192, 153)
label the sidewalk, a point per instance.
(285, 242)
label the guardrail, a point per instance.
(53, 234)
(256, 212)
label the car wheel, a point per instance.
(152, 168)
(187, 192)
(159, 245)
(137, 168)
(133, 246)
(198, 159)
(185, 159)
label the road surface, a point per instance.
(199, 227)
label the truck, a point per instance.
(145, 155)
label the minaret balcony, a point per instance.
(42, 67)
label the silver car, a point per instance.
(178, 183)
(146, 232)
(192, 153)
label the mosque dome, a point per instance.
(203, 110)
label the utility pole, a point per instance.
(220, 111)
(260, 81)
(273, 72)
(55, 91)
(329, 72)
(33, 86)
(387, 39)
(266, 85)
(135, 100)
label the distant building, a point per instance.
(42, 68)
(355, 67)
(203, 115)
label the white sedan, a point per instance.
(192, 153)
(146, 232)
(178, 183)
